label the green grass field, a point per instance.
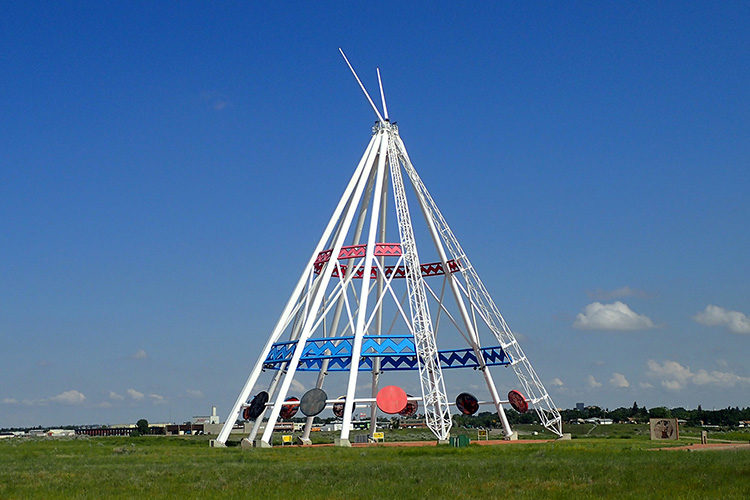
(158, 467)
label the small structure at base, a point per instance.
(460, 441)
(664, 428)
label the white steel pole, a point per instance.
(340, 303)
(325, 276)
(379, 317)
(362, 313)
(382, 95)
(374, 108)
(281, 324)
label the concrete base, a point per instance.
(342, 442)
(261, 444)
(565, 437)
(216, 444)
(443, 441)
(246, 443)
(513, 436)
(304, 441)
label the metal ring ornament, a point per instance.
(518, 402)
(467, 403)
(410, 409)
(313, 402)
(338, 408)
(289, 410)
(391, 399)
(257, 406)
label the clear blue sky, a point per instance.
(165, 171)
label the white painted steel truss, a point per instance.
(346, 295)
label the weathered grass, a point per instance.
(159, 467)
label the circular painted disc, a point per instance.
(313, 402)
(257, 406)
(288, 411)
(246, 413)
(518, 402)
(391, 399)
(467, 403)
(410, 409)
(338, 408)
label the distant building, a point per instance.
(599, 421)
(210, 419)
(580, 406)
(61, 433)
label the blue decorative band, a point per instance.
(396, 352)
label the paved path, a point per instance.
(709, 446)
(396, 444)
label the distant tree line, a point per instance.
(727, 417)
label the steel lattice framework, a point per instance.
(482, 302)
(336, 319)
(437, 413)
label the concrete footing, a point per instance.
(304, 441)
(216, 444)
(345, 443)
(513, 436)
(443, 441)
(261, 444)
(565, 437)
(246, 443)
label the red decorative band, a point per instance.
(354, 251)
(432, 269)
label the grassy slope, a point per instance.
(188, 468)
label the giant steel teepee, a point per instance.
(367, 302)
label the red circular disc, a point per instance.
(288, 411)
(518, 402)
(410, 409)
(391, 399)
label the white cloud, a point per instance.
(674, 376)
(117, 397)
(134, 394)
(216, 100)
(71, 397)
(672, 385)
(619, 380)
(156, 398)
(618, 293)
(615, 316)
(104, 404)
(645, 385)
(722, 379)
(734, 321)
(297, 386)
(140, 354)
(592, 382)
(10, 401)
(520, 336)
(557, 382)
(194, 393)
